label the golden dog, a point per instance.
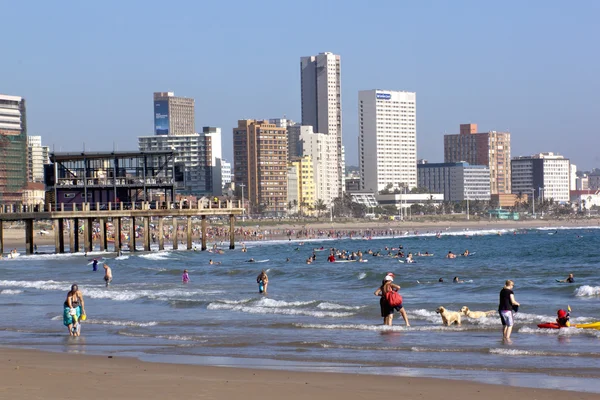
(448, 317)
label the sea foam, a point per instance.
(587, 291)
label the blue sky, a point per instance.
(88, 69)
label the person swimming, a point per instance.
(465, 254)
(450, 254)
(456, 280)
(569, 279)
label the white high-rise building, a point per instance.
(546, 174)
(321, 89)
(225, 172)
(387, 139)
(322, 150)
(37, 157)
(214, 156)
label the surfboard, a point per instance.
(344, 261)
(256, 261)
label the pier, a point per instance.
(104, 213)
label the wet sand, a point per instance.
(32, 374)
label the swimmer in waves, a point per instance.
(251, 260)
(568, 279)
(450, 254)
(466, 253)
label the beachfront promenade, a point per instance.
(114, 213)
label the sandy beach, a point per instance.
(31, 374)
(15, 236)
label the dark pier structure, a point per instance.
(107, 188)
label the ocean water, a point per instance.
(324, 316)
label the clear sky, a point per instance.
(88, 68)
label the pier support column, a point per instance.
(56, 236)
(88, 244)
(203, 233)
(59, 238)
(61, 235)
(231, 232)
(117, 233)
(102, 222)
(1, 238)
(28, 236)
(131, 234)
(189, 233)
(175, 238)
(146, 233)
(72, 228)
(161, 235)
(75, 236)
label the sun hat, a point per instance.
(389, 278)
(561, 313)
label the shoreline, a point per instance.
(27, 374)
(15, 237)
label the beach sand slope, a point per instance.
(31, 374)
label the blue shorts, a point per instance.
(506, 316)
(68, 318)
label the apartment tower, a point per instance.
(37, 157)
(387, 139)
(173, 115)
(489, 148)
(321, 92)
(260, 164)
(13, 148)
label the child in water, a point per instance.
(563, 318)
(185, 278)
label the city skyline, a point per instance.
(512, 81)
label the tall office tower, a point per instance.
(387, 139)
(195, 156)
(37, 157)
(321, 149)
(260, 164)
(13, 148)
(321, 90)
(214, 157)
(546, 175)
(225, 173)
(489, 148)
(173, 115)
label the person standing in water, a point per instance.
(107, 275)
(263, 281)
(387, 311)
(74, 308)
(95, 265)
(185, 278)
(506, 307)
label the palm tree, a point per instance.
(320, 206)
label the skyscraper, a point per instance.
(173, 115)
(37, 157)
(321, 150)
(321, 92)
(260, 164)
(13, 148)
(489, 148)
(387, 139)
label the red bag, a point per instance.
(393, 298)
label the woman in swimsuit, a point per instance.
(74, 308)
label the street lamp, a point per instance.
(243, 203)
(467, 205)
